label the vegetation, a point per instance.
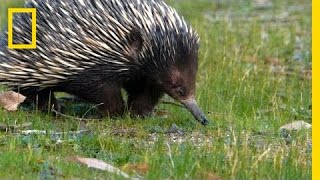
(254, 76)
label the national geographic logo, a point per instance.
(33, 12)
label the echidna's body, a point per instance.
(92, 49)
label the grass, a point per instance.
(253, 78)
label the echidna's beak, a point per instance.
(193, 107)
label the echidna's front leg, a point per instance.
(103, 93)
(112, 104)
(142, 98)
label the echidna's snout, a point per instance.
(193, 107)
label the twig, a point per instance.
(72, 117)
(91, 109)
(43, 132)
(170, 154)
(4, 127)
(261, 156)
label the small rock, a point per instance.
(295, 126)
(174, 129)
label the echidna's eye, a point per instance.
(180, 91)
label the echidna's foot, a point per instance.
(139, 109)
(111, 111)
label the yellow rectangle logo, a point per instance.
(33, 12)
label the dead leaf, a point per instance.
(10, 100)
(208, 176)
(306, 74)
(163, 113)
(130, 132)
(251, 59)
(99, 164)
(211, 176)
(142, 168)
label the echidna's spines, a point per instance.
(77, 35)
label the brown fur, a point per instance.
(144, 88)
(143, 92)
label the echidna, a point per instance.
(93, 48)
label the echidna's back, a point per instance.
(75, 36)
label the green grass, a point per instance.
(251, 81)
